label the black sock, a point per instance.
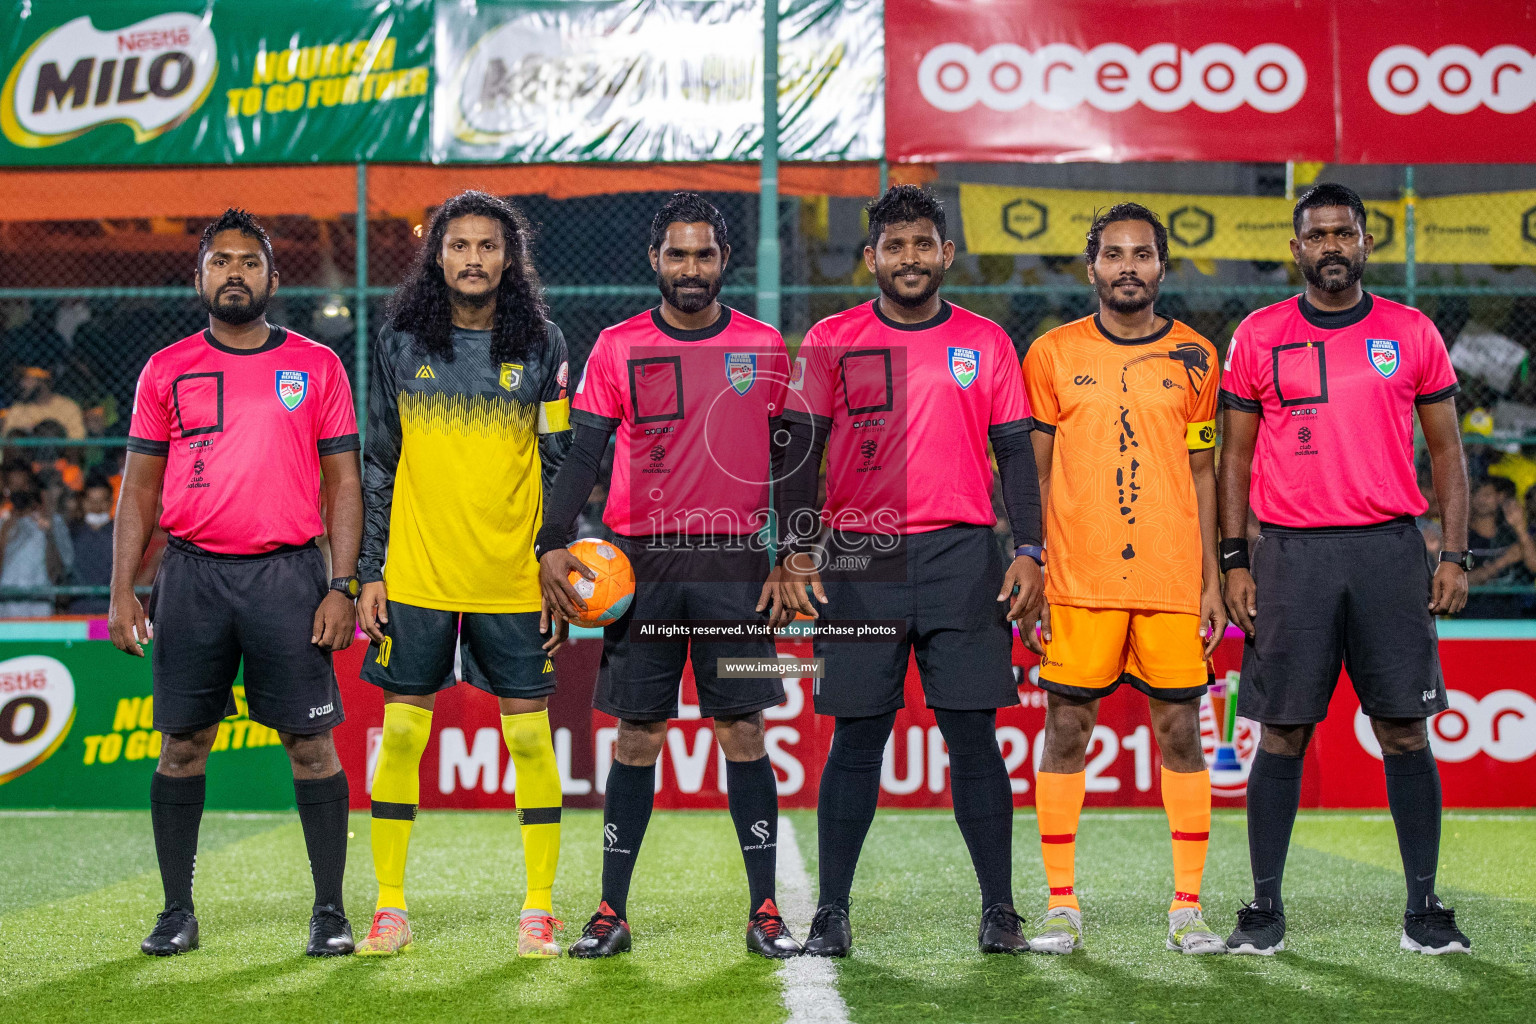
(754, 799)
(1274, 793)
(175, 812)
(1413, 794)
(627, 804)
(982, 797)
(323, 813)
(850, 789)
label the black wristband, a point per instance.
(1234, 554)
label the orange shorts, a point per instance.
(1093, 650)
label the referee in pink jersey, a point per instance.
(1320, 392)
(240, 430)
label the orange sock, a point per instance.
(1058, 803)
(1187, 799)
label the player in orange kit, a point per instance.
(1125, 404)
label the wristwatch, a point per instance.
(347, 585)
(1034, 551)
(1461, 558)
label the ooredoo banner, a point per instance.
(1355, 82)
(1425, 81)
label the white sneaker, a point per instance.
(1060, 931)
(1188, 933)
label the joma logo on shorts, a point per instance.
(850, 563)
(324, 710)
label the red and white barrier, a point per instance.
(1485, 744)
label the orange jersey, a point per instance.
(1122, 526)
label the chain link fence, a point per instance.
(83, 304)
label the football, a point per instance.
(609, 595)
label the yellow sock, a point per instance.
(1187, 799)
(1058, 804)
(538, 801)
(396, 791)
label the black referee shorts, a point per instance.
(212, 612)
(942, 585)
(1347, 597)
(687, 579)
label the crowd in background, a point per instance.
(68, 370)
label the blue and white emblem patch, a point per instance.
(1385, 355)
(741, 370)
(963, 364)
(292, 386)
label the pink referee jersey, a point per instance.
(691, 410)
(1336, 394)
(242, 432)
(909, 407)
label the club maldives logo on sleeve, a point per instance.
(292, 386)
(149, 76)
(1385, 355)
(962, 365)
(741, 370)
(797, 374)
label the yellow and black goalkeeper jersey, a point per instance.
(457, 457)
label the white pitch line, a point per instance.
(810, 982)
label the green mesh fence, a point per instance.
(89, 301)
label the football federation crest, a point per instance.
(1385, 355)
(292, 386)
(797, 374)
(511, 376)
(963, 363)
(741, 370)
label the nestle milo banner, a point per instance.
(213, 81)
(547, 80)
(77, 730)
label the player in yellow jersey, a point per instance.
(1124, 405)
(467, 423)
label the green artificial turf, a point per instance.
(915, 906)
(79, 891)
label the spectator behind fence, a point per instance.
(37, 402)
(59, 468)
(91, 535)
(35, 549)
(1503, 552)
(29, 338)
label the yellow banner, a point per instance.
(1494, 227)
(1488, 227)
(1055, 222)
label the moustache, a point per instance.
(690, 282)
(1332, 261)
(1138, 282)
(924, 271)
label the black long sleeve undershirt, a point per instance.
(799, 519)
(573, 486)
(1015, 453)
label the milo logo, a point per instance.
(37, 705)
(149, 76)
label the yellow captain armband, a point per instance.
(1200, 436)
(554, 416)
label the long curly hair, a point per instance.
(422, 307)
